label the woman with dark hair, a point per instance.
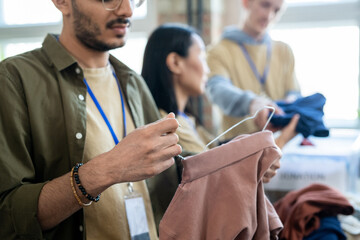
(175, 68)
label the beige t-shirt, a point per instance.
(106, 219)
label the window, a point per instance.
(12, 49)
(16, 12)
(132, 53)
(327, 61)
(307, 2)
(325, 42)
(299, 2)
(24, 12)
(24, 24)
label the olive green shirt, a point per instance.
(42, 132)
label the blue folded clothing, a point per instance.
(330, 229)
(311, 113)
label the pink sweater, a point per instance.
(221, 195)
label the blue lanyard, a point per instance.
(103, 113)
(187, 119)
(262, 79)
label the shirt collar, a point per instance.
(62, 59)
(57, 54)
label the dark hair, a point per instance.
(165, 39)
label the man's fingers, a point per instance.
(294, 121)
(261, 118)
(265, 179)
(272, 128)
(164, 126)
(170, 115)
(275, 165)
(172, 151)
(169, 139)
(278, 110)
(165, 164)
(271, 172)
(268, 175)
(168, 152)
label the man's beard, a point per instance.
(87, 31)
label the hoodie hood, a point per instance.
(238, 36)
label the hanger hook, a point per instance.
(243, 120)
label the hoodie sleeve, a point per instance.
(220, 90)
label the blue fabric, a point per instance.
(311, 113)
(330, 229)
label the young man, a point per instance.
(69, 103)
(249, 70)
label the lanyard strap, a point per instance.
(103, 113)
(262, 79)
(186, 117)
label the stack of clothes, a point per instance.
(311, 213)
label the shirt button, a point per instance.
(78, 136)
(77, 70)
(81, 228)
(81, 97)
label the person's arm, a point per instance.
(29, 204)
(19, 188)
(232, 100)
(288, 132)
(145, 152)
(238, 103)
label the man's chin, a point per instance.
(120, 41)
(120, 45)
(114, 45)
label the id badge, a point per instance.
(136, 215)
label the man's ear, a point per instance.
(63, 5)
(174, 62)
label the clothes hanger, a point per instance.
(237, 124)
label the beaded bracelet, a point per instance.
(82, 189)
(75, 193)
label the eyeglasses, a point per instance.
(111, 5)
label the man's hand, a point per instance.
(286, 135)
(263, 115)
(145, 152)
(288, 132)
(271, 172)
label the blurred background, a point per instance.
(324, 35)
